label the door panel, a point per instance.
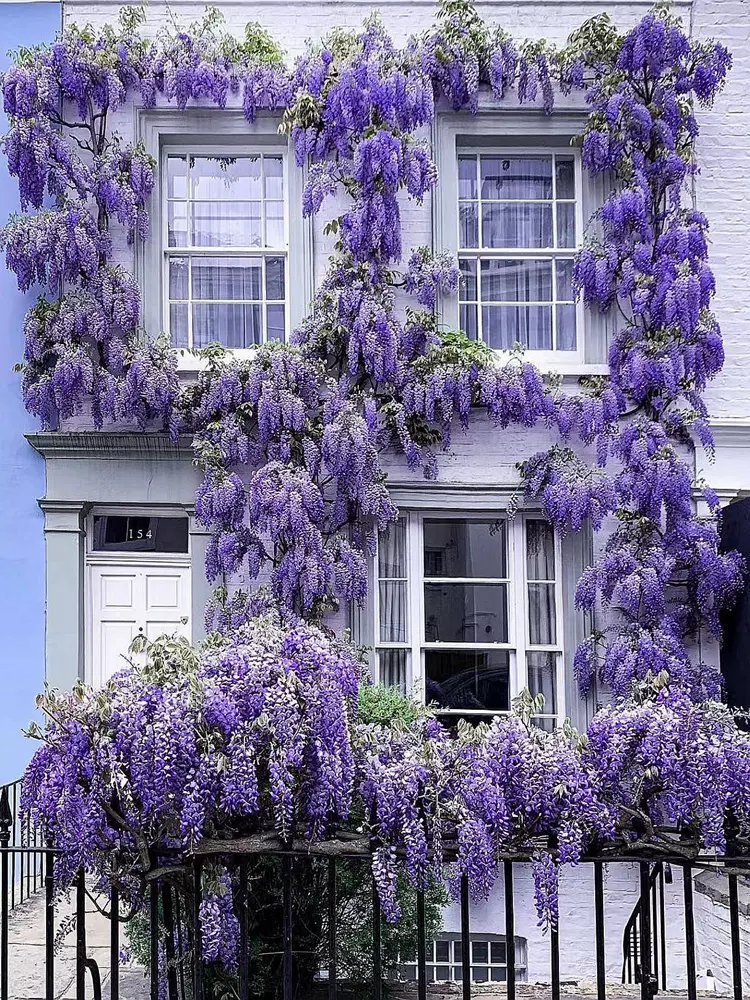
(117, 591)
(127, 600)
(114, 640)
(163, 591)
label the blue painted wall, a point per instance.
(21, 469)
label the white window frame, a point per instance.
(480, 253)
(262, 253)
(518, 644)
(455, 959)
(221, 133)
(521, 132)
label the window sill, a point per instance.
(188, 364)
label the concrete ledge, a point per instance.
(110, 445)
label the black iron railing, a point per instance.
(304, 958)
(26, 868)
(637, 966)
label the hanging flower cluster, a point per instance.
(661, 568)
(261, 732)
(84, 346)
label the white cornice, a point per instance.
(731, 432)
(109, 445)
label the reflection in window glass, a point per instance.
(468, 679)
(137, 533)
(470, 548)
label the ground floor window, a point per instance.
(468, 611)
(489, 960)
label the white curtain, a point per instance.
(542, 669)
(392, 668)
(540, 576)
(392, 584)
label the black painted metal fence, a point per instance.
(175, 912)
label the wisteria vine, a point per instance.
(289, 440)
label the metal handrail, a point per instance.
(637, 966)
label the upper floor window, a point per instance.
(468, 611)
(226, 248)
(518, 229)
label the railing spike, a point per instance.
(6, 816)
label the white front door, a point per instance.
(131, 599)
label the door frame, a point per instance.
(138, 560)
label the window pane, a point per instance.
(231, 324)
(233, 278)
(275, 281)
(566, 328)
(517, 177)
(543, 678)
(498, 975)
(441, 951)
(564, 279)
(479, 975)
(503, 326)
(393, 668)
(565, 179)
(116, 533)
(468, 224)
(442, 973)
(176, 177)
(566, 225)
(540, 550)
(517, 280)
(273, 168)
(222, 178)
(393, 614)
(466, 612)
(177, 223)
(497, 952)
(479, 951)
(468, 270)
(227, 224)
(510, 224)
(275, 322)
(467, 321)
(178, 325)
(392, 551)
(467, 177)
(465, 549)
(542, 628)
(275, 224)
(468, 679)
(178, 277)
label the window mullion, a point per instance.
(416, 603)
(561, 709)
(190, 303)
(518, 533)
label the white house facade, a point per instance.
(468, 605)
